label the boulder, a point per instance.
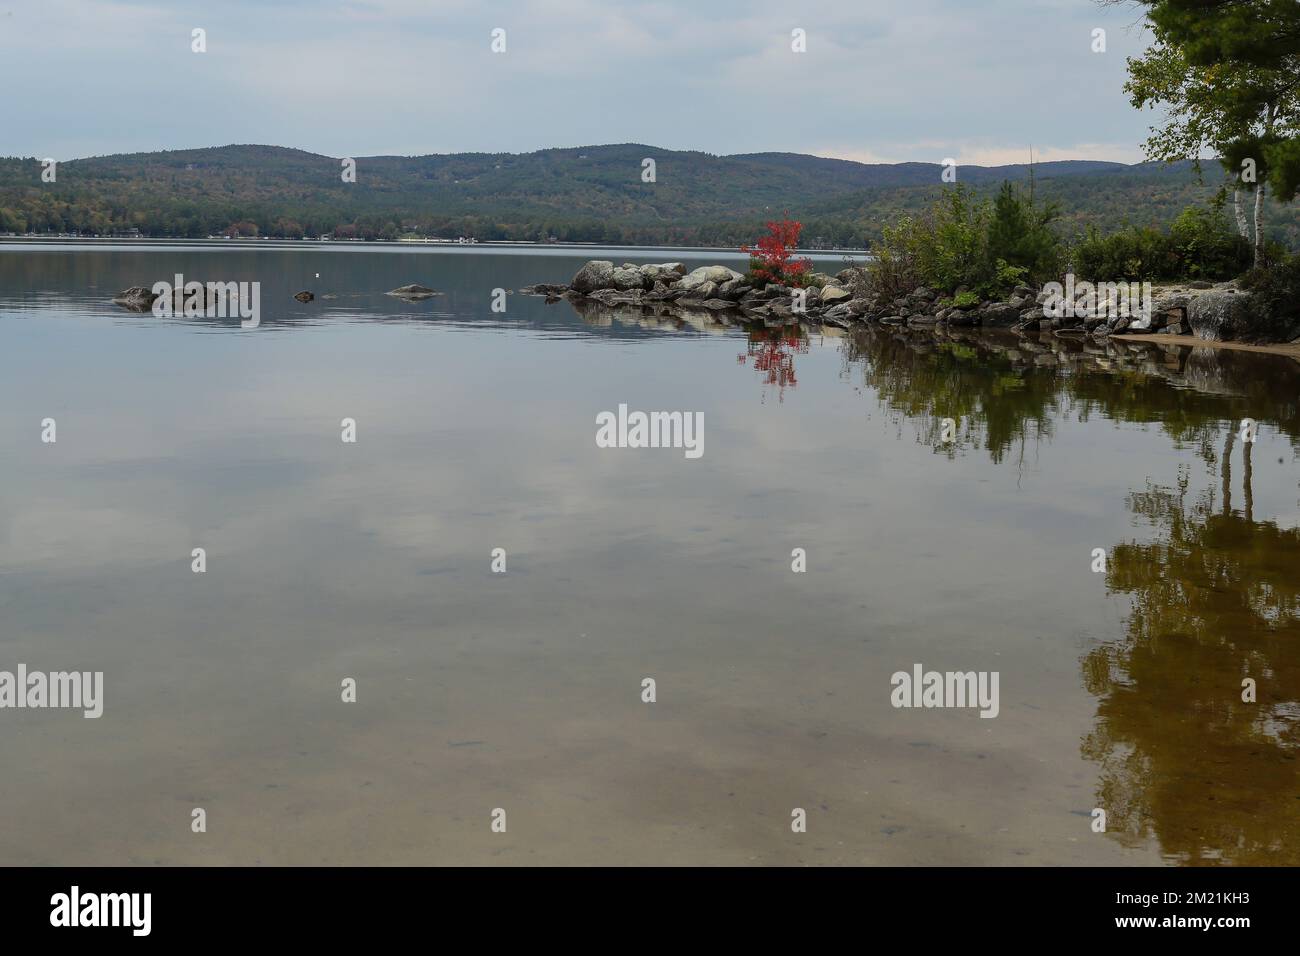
(304, 296)
(732, 289)
(1219, 315)
(136, 298)
(1000, 315)
(832, 295)
(715, 274)
(1167, 301)
(596, 274)
(1030, 321)
(699, 290)
(412, 292)
(626, 278)
(664, 271)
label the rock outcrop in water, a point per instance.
(1216, 312)
(137, 298)
(413, 292)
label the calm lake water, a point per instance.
(1119, 690)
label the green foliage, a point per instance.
(961, 300)
(1275, 298)
(1200, 244)
(1207, 246)
(573, 195)
(1283, 160)
(894, 271)
(1021, 238)
(963, 242)
(1226, 69)
(1009, 276)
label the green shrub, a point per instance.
(962, 299)
(1133, 254)
(1207, 245)
(961, 241)
(894, 270)
(943, 249)
(1275, 298)
(1200, 244)
(1021, 237)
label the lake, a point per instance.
(970, 548)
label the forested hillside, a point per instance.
(593, 194)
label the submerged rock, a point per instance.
(137, 298)
(412, 291)
(304, 296)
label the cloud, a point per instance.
(366, 77)
(981, 153)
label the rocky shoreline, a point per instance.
(1204, 310)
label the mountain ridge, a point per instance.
(580, 193)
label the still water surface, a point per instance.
(522, 691)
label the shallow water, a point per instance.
(1119, 690)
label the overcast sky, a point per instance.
(881, 81)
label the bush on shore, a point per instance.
(1275, 296)
(1199, 244)
(964, 243)
(771, 259)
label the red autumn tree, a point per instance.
(770, 260)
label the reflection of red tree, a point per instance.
(773, 352)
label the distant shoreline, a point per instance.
(387, 244)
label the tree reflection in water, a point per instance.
(1214, 588)
(773, 352)
(1215, 599)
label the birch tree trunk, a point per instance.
(1259, 222)
(1242, 226)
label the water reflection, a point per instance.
(373, 562)
(1004, 391)
(773, 352)
(1215, 600)
(1211, 588)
